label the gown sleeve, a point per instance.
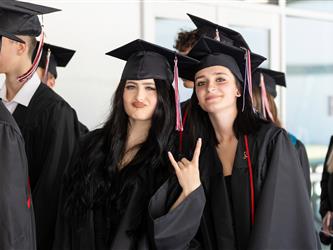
(283, 217)
(176, 228)
(17, 221)
(304, 160)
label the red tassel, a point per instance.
(249, 165)
(29, 194)
(264, 99)
(27, 76)
(47, 65)
(181, 132)
(179, 124)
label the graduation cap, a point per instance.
(53, 57)
(20, 18)
(271, 79)
(146, 60)
(267, 80)
(214, 53)
(218, 32)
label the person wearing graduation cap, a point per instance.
(264, 92)
(52, 57)
(117, 168)
(186, 40)
(17, 216)
(48, 124)
(253, 184)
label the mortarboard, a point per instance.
(146, 60)
(218, 32)
(267, 80)
(20, 18)
(53, 57)
(212, 53)
(271, 79)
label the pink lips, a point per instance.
(212, 97)
(138, 104)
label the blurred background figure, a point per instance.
(52, 57)
(264, 91)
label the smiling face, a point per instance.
(140, 99)
(216, 89)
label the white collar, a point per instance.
(25, 94)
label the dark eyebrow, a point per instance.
(144, 83)
(148, 83)
(198, 77)
(215, 73)
(219, 73)
(128, 82)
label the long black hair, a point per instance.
(247, 121)
(93, 172)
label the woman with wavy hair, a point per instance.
(117, 168)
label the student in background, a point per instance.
(47, 122)
(264, 92)
(53, 57)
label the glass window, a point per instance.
(313, 5)
(309, 58)
(275, 2)
(166, 34)
(258, 39)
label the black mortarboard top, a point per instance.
(214, 53)
(226, 35)
(271, 79)
(146, 60)
(59, 57)
(20, 18)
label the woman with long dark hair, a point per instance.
(255, 193)
(117, 168)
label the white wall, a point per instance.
(92, 28)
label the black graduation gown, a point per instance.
(132, 230)
(326, 196)
(50, 129)
(17, 222)
(283, 216)
(304, 160)
(83, 129)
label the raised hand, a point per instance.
(188, 171)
